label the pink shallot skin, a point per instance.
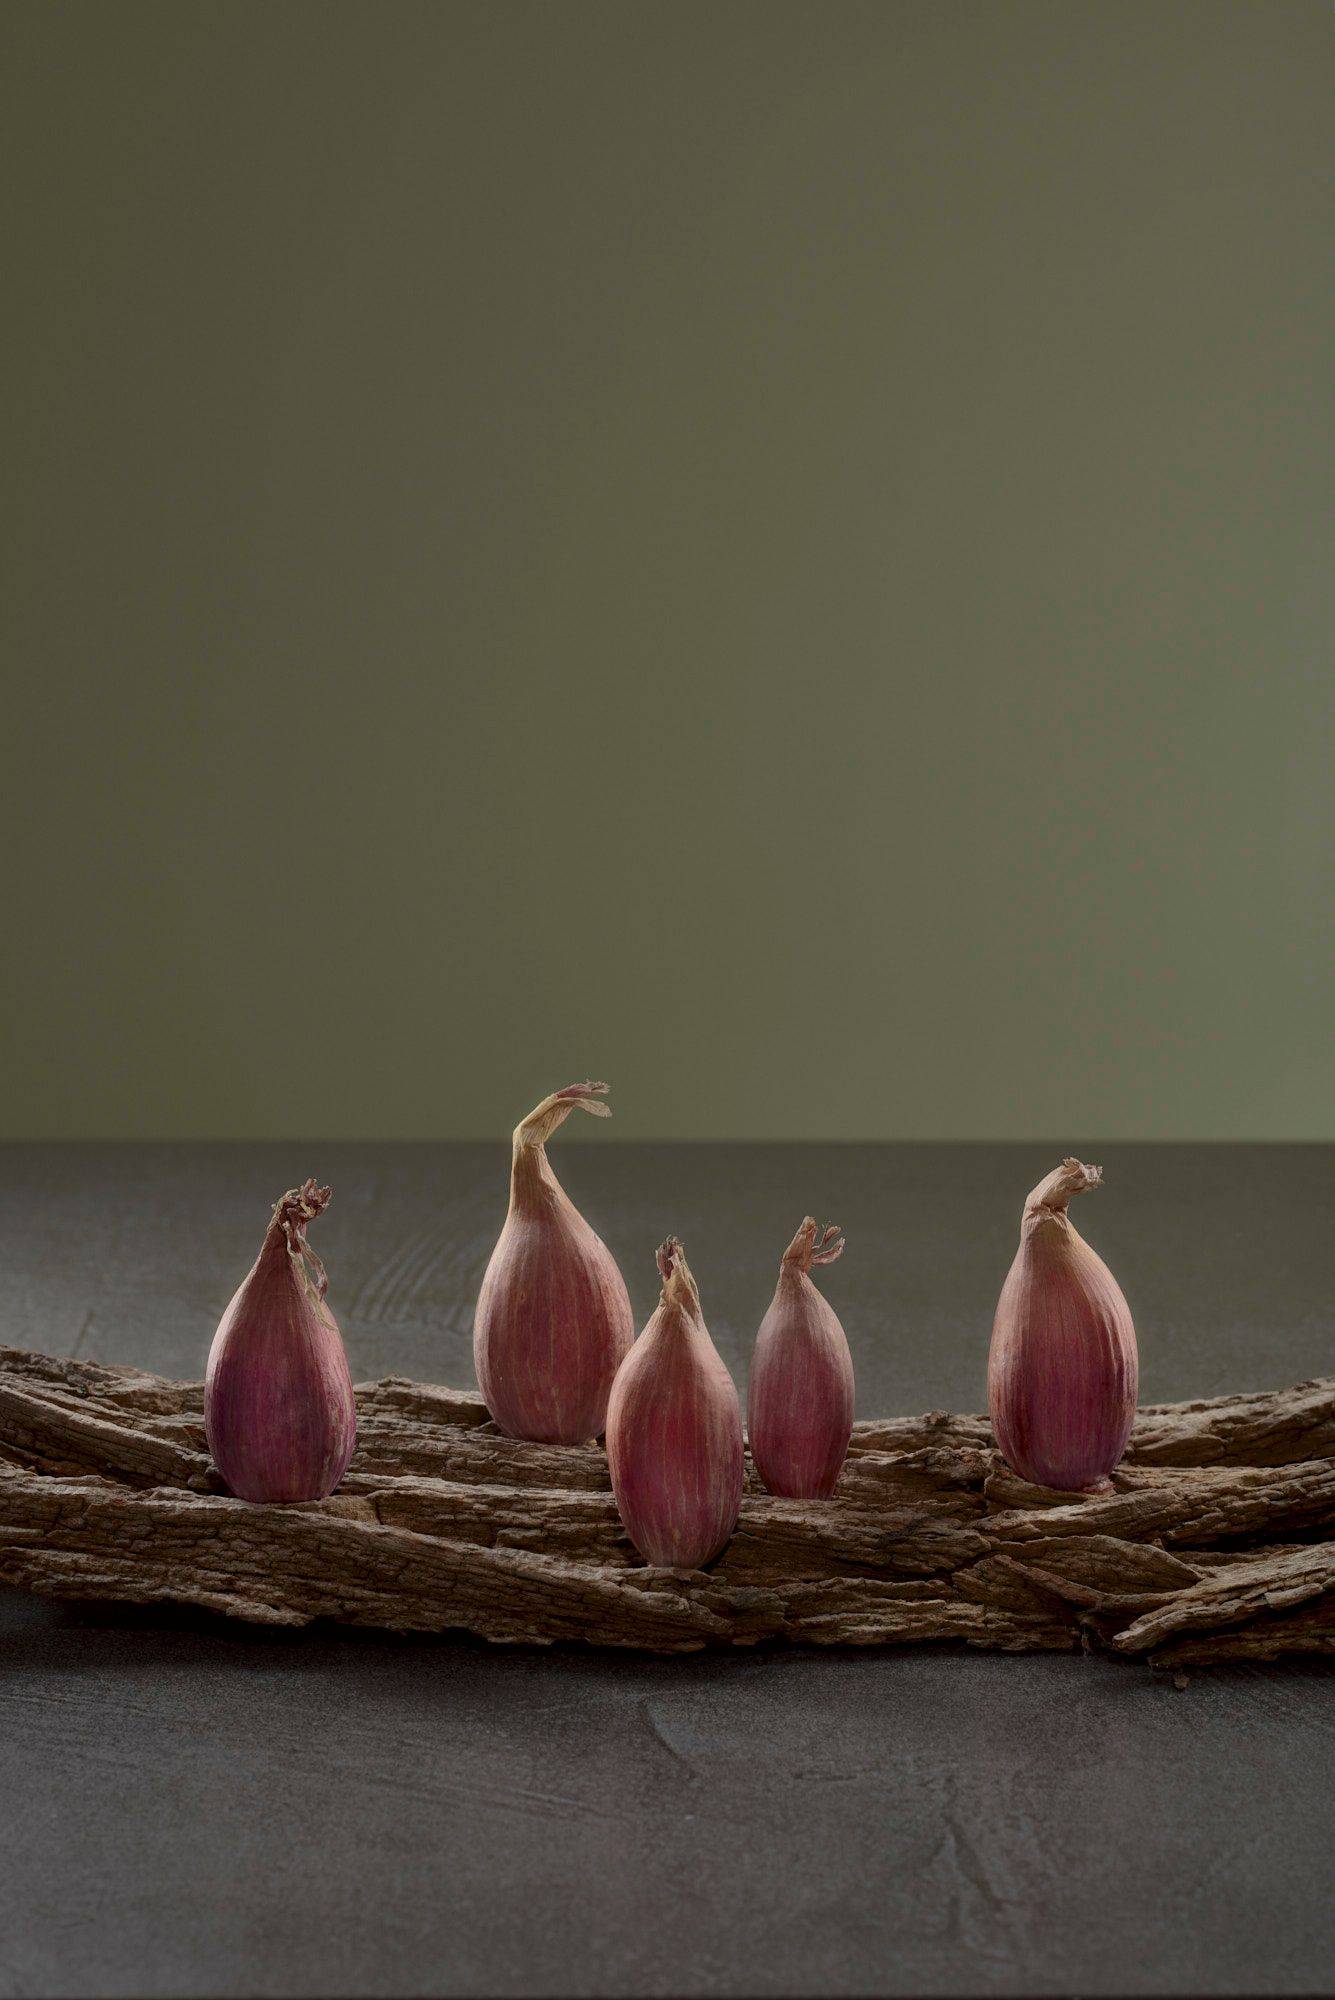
(799, 1407)
(674, 1432)
(1063, 1371)
(553, 1319)
(279, 1412)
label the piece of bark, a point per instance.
(1213, 1540)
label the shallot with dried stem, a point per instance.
(1063, 1368)
(279, 1413)
(553, 1318)
(674, 1431)
(800, 1394)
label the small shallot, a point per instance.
(279, 1413)
(553, 1318)
(1062, 1373)
(800, 1395)
(674, 1431)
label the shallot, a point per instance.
(1062, 1372)
(553, 1317)
(674, 1431)
(800, 1394)
(279, 1413)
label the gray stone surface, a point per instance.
(196, 1808)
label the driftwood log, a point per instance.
(1213, 1541)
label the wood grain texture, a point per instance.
(1212, 1542)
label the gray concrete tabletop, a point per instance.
(200, 1808)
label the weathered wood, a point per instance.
(1212, 1541)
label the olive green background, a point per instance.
(778, 554)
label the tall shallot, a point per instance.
(553, 1319)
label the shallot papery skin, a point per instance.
(674, 1431)
(279, 1412)
(553, 1318)
(1063, 1369)
(799, 1404)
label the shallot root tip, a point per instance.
(679, 1287)
(812, 1246)
(1052, 1194)
(545, 1118)
(668, 1254)
(298, 1207)
(830, 1247)
(301, 1205)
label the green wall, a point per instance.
(778, 554)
